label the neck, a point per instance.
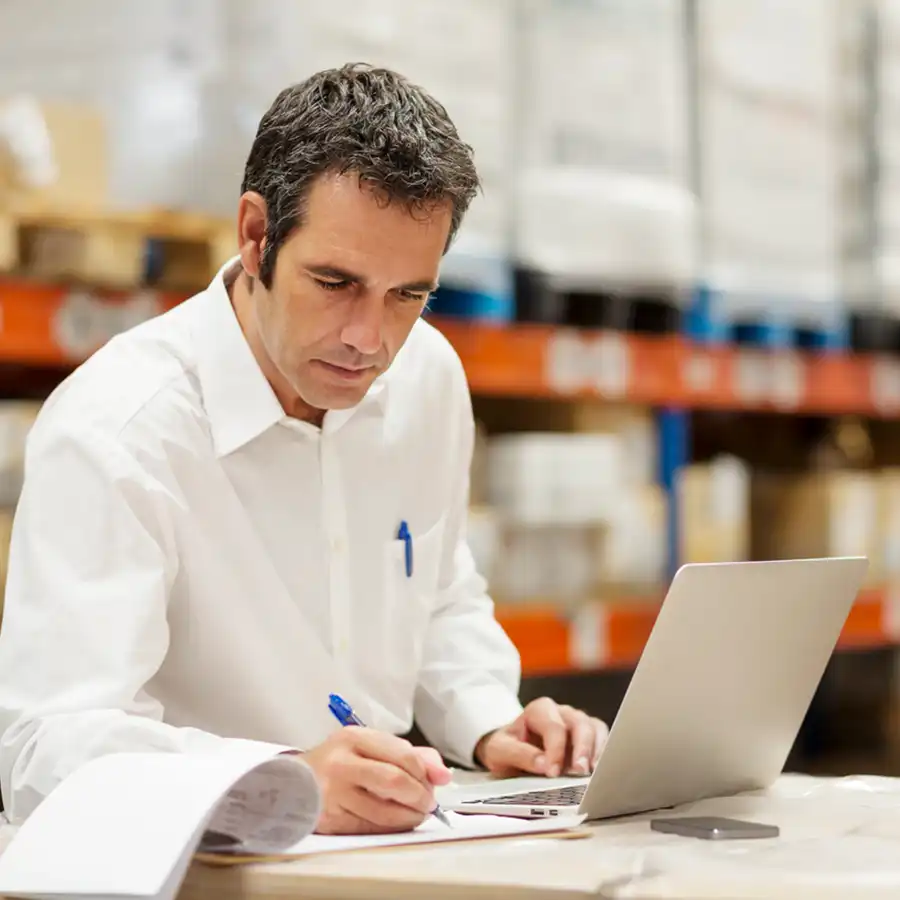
(242, 300)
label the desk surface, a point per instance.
(840, 838)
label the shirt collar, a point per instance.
(239, 401)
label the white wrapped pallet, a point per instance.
(603, 190)
(469, 71)
(887, 137)
(782, 156)
(183, 85)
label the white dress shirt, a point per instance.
(193, 571)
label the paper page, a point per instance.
(127, 824)
(465, 827)
(269, 809)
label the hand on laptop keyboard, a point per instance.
(546, 739)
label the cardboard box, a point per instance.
(714, 508)
(52, 155)
(632, 555)
(546, 563)
(889, 522)
(816, 515)
(555, 479)
(633, 426)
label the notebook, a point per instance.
(130, 824)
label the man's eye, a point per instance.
(415, 297)
(331, 285)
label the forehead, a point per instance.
(355, 222)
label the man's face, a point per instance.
(348, 286)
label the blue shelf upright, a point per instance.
(674, 436)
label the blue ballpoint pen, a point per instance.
(343, 712)
(404, 535)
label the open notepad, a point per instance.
(129, 824)
(465, 828)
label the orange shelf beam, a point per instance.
(547, 361)
(613, 635)
(53, 325)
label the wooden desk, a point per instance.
(840, 838)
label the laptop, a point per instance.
(719, 694)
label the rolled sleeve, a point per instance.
(477, 712)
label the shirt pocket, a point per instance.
(410, 598)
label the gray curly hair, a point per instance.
(360, 119)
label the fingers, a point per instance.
(510, 756)
(344, 821)
(391, 784)
(435, 770)
(388, 748)
(587, 738)
(373, 782)
(582, 736)
(543, 718)
(381, 816)
(340, 821)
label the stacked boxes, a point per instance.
(571, 515)
(888, 548)
(549, 479)
(52, 155)
(822, 514)
(714, 504)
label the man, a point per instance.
(212, 534)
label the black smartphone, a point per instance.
(715, 828)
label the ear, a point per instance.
(251, 222)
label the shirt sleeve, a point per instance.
(469, 681)
(85, 620)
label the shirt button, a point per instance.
(337, 545)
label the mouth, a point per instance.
(345, 373)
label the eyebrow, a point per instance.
(426, 285)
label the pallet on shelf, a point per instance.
(716, 317)
(642, 309)
(164, 248)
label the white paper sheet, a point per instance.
(127, 825)
(431, 831)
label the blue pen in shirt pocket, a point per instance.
(404, 535)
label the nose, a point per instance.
(364, 329)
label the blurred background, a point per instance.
(677, 299)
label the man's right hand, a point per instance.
(374, 783)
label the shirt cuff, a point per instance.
(477, 712)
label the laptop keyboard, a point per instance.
(566, 796)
